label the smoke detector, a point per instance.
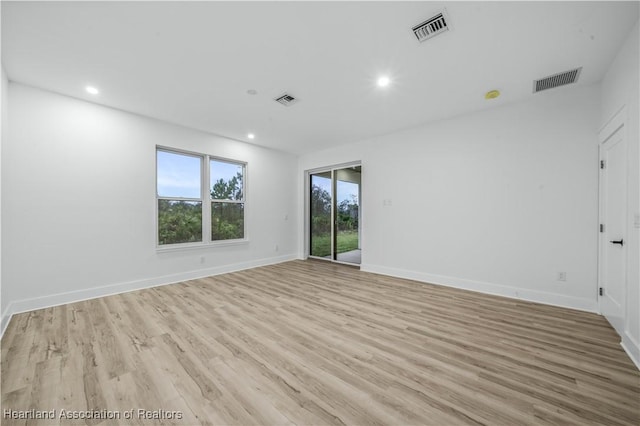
(556, 80)
(433, 26)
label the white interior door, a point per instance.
(613, 236)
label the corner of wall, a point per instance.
(81, 266)
(4, 320)
(632, 348)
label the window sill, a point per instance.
(196, 246)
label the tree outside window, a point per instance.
(180, 198)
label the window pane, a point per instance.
(346, 216)
(179, 222)
(321, 214)
(178, 175)
(227, 221)
(226, 180)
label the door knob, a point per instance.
(621, 242)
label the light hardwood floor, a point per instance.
(313, 343)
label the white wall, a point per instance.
(79, 202)
(4, 86)
(498, 201)
(621, 88)
(3, 126)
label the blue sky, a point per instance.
(179, 175)
(344, 189)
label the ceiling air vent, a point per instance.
(556, 80)
(431, 27)
(286, 99)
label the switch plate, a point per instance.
(636, 220)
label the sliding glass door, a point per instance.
(335, 214)
(347, 214)
(321, 213)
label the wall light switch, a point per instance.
(636, 220)
(386, 202)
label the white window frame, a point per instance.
(208, 159)
(205, 200)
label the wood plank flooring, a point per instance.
(314, 343)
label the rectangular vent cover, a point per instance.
(431, 27)
(556, 80)
(286, 99)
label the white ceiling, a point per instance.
(192, 62)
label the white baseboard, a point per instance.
(561, 300)
(632, 348)
(25, 305)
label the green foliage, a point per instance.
(348, 214)
(321, 245)
(227, 221)
(347, 241)
(179, 222)
(320, 211)
(320, 201)
(347, 223)
(228, 190)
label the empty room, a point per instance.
(320, 213)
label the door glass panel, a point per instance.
(320, 209)
(348, 214)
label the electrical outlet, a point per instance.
(277, 248)
(201, 259)
(562, 276)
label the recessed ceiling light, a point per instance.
(383, 81)
(251, 136)
(492, 94)
(92, 90)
